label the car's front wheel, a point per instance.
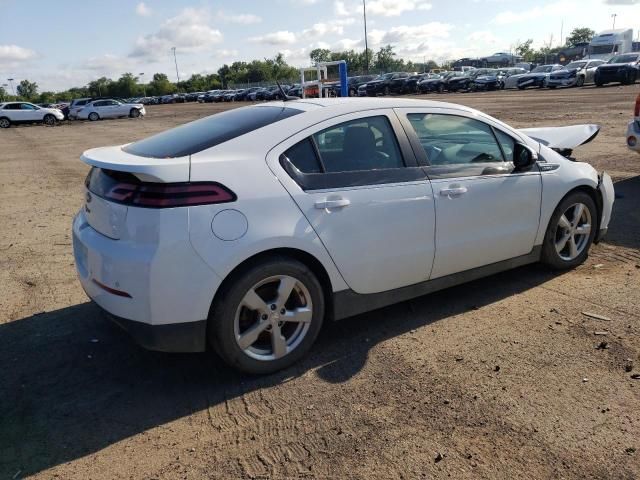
(571, 231)
(93, 116)
(49, 120)
(268, 316)
(134, 113)
(580, 81)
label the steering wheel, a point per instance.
(483, 157)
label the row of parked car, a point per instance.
(623, 68)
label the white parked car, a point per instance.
(576, 73)
(247, 229)
(633, 129)
(75, 105)
(99, 109)
(14, 113)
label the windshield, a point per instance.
(577, 65)
(624, 58)
(542, 69)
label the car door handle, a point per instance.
(453, 191)
(332, 203)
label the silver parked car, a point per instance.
(576, 73)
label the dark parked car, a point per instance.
(495, 80)
(410, 84)
(462, 81)
(353, 83)
(538, 76)
(623, 68)
(386, 84)
(437, 82)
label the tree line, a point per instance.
(268, 70)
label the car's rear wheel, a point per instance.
(93, 116)
(49, 120)
(571, 231)
(5, 122)
(268, 316)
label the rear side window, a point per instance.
(208, 132)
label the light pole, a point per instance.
(144, 86)
(176, 62)
(10, 80)
(366, 43)
(614, 15)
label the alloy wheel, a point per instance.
(573, 231)
(273, 318)
(4, 123)
(49, 120)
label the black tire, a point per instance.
(386, 91)
(134, 113)
(5, 122)
(221, 334)
(93, 116)
(580, 81)
(352, 92)
(49, 120)
(520, 88)
(441, 88)
(550, 256)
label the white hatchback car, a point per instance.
(14, 113)
(99, 109)
(246, 229)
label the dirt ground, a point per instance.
(500, 378)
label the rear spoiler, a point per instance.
(563, 139)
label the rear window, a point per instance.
(208, 132)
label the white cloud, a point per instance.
(322, 29)
(189, 31)
(483, 36)
(225, 53)
(412, 34)
(282, 37)
(13, 54)
(143, 10)
(240, 18)
(551, 10)
(622, 2)
(383, 8)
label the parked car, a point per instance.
(100, 109)
(75, 105)
(247, 229)
(15, 113)
(437, 83)
(386, 84)
(410, 84)
(502, 59)
(574, 74)
(353, 83)
(462, 81)
(623, 68)
(537, 77)
(633, 129)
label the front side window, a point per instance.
(362, 144)
(456, 140)
(27, 106)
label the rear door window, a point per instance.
(208, 132)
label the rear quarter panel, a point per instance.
(273, 219)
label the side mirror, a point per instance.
(524, 157)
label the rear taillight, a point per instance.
(127, 189)
(636, 111)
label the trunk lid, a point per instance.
(112, 165)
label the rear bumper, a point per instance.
(633, 130)
(173, 338)
(160, 292)
(607, 193)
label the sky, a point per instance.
(69, 43)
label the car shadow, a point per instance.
(72, 383)
(624, 228)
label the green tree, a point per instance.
(160, 85)
(100, 87)
(320, 55)
(525, 50)
(580, 35)
(27, 90)
(3, 94)
(46, 97)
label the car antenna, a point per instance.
(285, 97)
